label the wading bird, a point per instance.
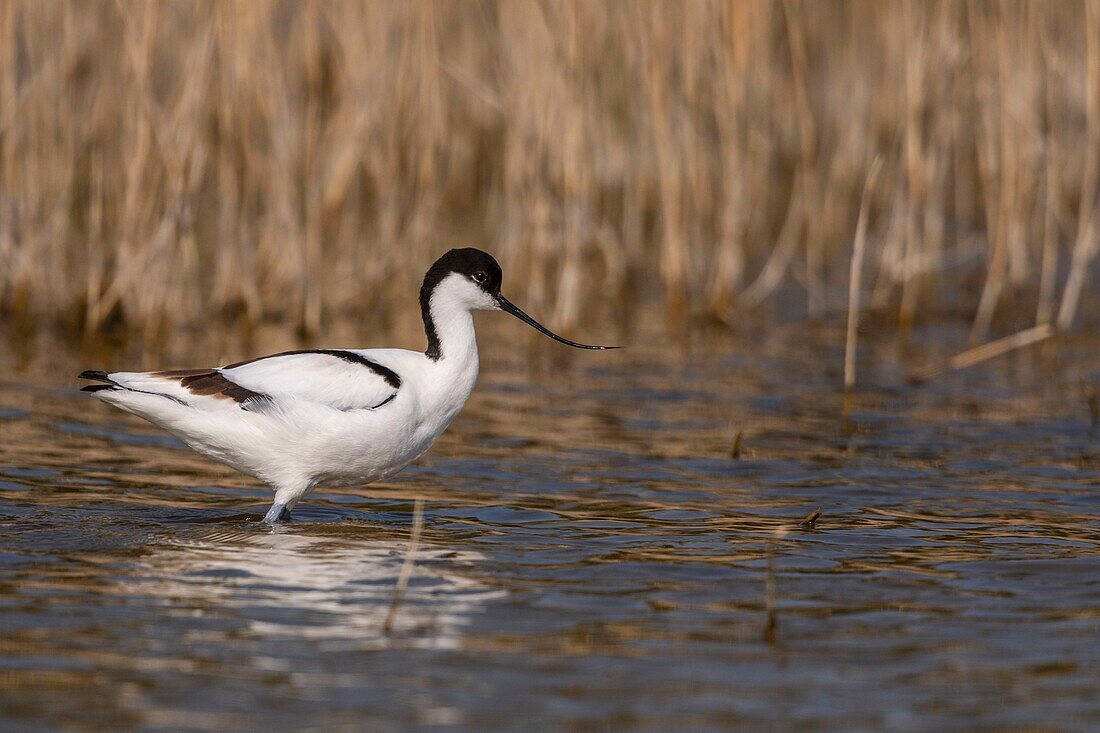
(330, 416)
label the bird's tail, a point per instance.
(99, 376)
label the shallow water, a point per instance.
(592, 557)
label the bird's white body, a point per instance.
(331, 416)
(328, 420)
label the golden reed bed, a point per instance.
(163, 162)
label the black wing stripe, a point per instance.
(386, 373)
(386, 401)
(115, 386)
(112, 387)
(99, 387)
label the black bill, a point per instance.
(508, 307)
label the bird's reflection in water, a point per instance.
(334, 590)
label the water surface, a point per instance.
(592, 559)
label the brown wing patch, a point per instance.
(211, 383)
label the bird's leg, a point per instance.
(286, 497)
(278, 512)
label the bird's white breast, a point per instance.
(367, 445)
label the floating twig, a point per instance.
(985, 352)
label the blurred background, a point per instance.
(173, 164)
(700, 532)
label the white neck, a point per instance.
(446, 306)
(454, 370)
(454, 326)
(452, 348)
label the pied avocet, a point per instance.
(330, 416)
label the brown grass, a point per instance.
(163, 162)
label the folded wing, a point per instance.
(344, 380)
(340, 379)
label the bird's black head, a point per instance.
(478, 266)
(476, 287)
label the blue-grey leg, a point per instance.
(277, 513)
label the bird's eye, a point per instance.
(480, 278)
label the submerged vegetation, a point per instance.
(166, 162)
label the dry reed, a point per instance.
(406, 565)
(162, 163)
(855, 279)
